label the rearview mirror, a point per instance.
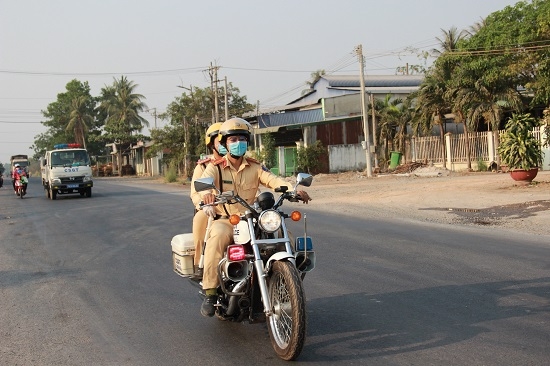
(304, 179)
(204, 184)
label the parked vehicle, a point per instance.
(262, 270)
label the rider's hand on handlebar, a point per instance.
(208, 198)
(304, 196)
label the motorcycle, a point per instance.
(20, 184)
(262, 270)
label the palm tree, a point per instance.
(488, 102)
(386, 111)
(449, 41)
(432, 105)
(476, 27)
(121, 106)
(80, 121)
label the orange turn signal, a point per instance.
(295, 215)
(234, 219)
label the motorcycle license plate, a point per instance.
(72, 185)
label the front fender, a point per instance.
(279, 256)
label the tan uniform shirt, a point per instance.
(243, 181)
(197, 173)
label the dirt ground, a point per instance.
(437, 195)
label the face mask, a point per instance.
(238, 148)
(222, 150)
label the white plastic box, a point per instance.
(183, 254)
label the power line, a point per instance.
(18, 122)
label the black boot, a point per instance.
(207, 307)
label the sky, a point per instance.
(267, 49)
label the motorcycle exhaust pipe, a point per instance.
(236, 271)
(234, 300)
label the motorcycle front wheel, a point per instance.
(287, 325)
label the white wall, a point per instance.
(346, 157)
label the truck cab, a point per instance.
(65, 170)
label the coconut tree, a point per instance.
(449, 40)
(121, 106)
(488, 103)
(80, 120)
(431, 105)
(386, 111)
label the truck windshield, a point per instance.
(70, 158)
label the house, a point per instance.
(330, 112)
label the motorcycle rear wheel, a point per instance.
(287, 325)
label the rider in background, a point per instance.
(17, 174)
(200, 220)
(243, 175)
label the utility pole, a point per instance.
(185, 132)
(213, 71)
(185, 146)
(154, 113)
(226, 106)
(366, 145)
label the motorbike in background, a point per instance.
(20, 187)
(262, 270)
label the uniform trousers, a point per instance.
(200, 222)
(221, 235)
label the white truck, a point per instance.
(66, 169)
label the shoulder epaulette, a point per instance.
(203, 161)
(252, 160)
(219, 161)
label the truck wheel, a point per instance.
(89, 192)
(53, 194)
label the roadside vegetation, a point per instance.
(481, 75)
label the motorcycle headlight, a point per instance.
(270, 221)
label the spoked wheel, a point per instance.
(287, 325)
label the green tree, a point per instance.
(431, 105)
(58, 116)
(308, 159)
(121, 107)
(269, 152)
(449, 40)
(188, 116)
(80, 120)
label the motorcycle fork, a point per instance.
(260, 270)
(259, 265)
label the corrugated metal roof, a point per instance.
(290, 118)
(343, 81)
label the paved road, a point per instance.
(89, 281)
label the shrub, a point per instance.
(518, 148)
(482, 165)
(171, 174)
(308, 158)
